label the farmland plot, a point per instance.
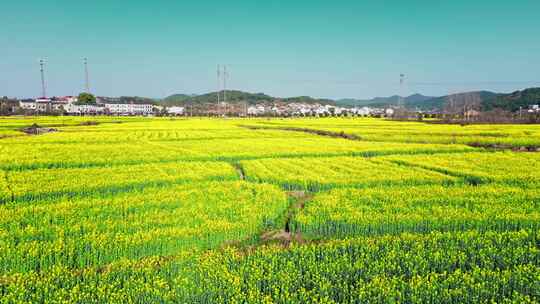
(159, 210)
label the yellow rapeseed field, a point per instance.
(201, 210)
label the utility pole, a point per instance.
(86, 81)
(218, 88)
(225, 77)
(451, 103)
(42, 70)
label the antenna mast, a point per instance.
(42, 70)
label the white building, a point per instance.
(126, 108)
(340, 110)
(27, 104)
(46, 105)
(256, 110)
(175, 110)
(321, 110)
(361, 111)
(66, 99)
(84, 109)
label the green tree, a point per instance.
(86, 98)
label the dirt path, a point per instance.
(500, 147)
(310, 131)
(239, 170)
(285, 236)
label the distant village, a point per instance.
(136, 106)
(69, 105)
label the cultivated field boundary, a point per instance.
(342, 134)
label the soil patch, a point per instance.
(89, 123)
(36, 129)
(506, 147)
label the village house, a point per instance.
(73, 108)
(129, 109)
(28, 104)
(175, 110)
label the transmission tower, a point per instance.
(401, 83)
(219, 86)
(225, 77)
(42, 70)
(222, 76)
(86, 81)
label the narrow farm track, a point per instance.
(469, 179)
(307, 130)
(285, 236)
(342, 134)
(498, 147)
(238, 167)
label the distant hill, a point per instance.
(512, 101)
(383, 101)
(234, 96)
(485, 100)
(176, 99)
(417, 98)
(307, 100)
(440, 103)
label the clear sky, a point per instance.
(320, 48)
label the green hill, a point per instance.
(485, 100)
(412, 101)
(176, 99)
(307, 100)
(513, 101)
(440, 103)
(234, 96)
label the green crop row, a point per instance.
(343, 213)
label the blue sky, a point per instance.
(284, 48)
